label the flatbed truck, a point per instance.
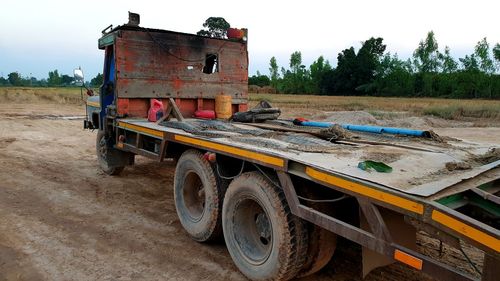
(280, 197)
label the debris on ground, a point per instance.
(454, 166)
(491, 156)
(335, 132)
(382, 156)
(435, 137)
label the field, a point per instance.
(445, 108)
(61, 218)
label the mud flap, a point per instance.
(118, 158)
(401, 232)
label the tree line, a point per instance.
(54, 79)
(373, 71)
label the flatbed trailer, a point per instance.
(278, 194)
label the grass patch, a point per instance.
(444, 108)
(69, 95)
(458, 112)
(385, 114)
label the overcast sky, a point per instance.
(39, 36)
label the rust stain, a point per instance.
(178, 84)
(163, 64)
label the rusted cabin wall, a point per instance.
(138, 107)
(163, 64)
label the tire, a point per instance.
(198, 196)
(104, 152)
(321, 242)
(265, 240)
(321, 247)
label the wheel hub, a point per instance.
(194, 196)
(253, 231)
(263, 228)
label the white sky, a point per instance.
(39, 36)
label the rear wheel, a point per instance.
(105, 154)
(265, 240)
(322, 243)
(198, 195)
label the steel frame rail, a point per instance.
(380, 240)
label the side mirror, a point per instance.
(78, 75)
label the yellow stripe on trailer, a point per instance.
(275, 161)
(408, 259)
(366, 191)
(141, 129)
(469, 231)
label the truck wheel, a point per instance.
(198, 196)
(104, 153)
(322, 244)
(265, 240)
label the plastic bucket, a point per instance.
(223, 106)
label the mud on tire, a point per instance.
(105, 154)
(265, 240)
(321, 242)
(198, 196)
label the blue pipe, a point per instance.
(316, 124)
(369, 129)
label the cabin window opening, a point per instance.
(211, 64)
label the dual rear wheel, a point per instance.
(265, 240)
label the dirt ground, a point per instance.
(61, 218)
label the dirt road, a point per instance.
(63, 219)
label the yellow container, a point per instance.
(223, 106)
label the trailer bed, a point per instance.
(420, 167)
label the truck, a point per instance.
(279, 193)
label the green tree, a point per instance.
(295, 61)
(449, 65)
(97, 80)
(14, 78)
(259, 80)
(273, 72)
(482, 53)
(496, 54)
(368, 59)
(295, 79)
(215, 27)
(54, 78)
(426, 56)
(355, 73)
(318, 69)
(342, 81)
(66, 80)
(393, 77)
(470, 63)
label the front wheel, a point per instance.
(106, 154)
(265, 240)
